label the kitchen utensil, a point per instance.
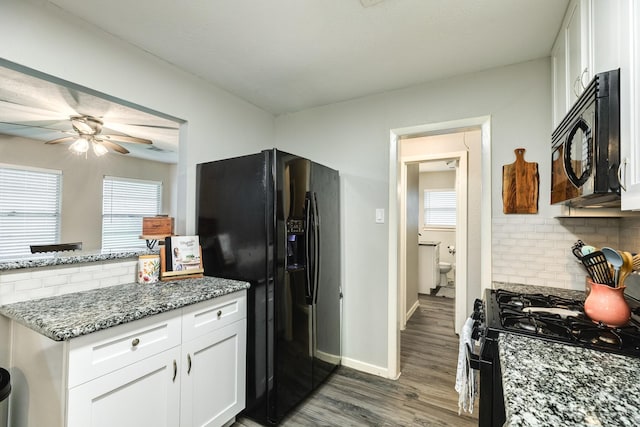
(587, 249)
(636, 262)
(598, 267)
(520, 186)
(627, 267)
(615, 259)
(576, 249)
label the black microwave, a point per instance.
(586, 147)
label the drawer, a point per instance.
(94, 355)
(207, 316)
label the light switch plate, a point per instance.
(380, 215)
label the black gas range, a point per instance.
(546, 317)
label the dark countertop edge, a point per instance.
(66, 334)
(69, 259)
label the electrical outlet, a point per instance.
(380, 216)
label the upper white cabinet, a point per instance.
(571, 57)
(630, 103)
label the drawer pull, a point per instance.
(219, 313)
(188, 363)
(135, 342)
(175, 370)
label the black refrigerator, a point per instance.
(273, 219)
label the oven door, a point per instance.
(491, 411)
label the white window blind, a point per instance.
(439, 208)
(29, 209)
(124, 203)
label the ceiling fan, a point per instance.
(88, 130)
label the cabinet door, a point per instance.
(559, 78)
(606, 34)
(578, 43)
(630, 105)
(213, 376)
(146, 393)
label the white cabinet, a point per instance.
(630, 104)
(146, 393)
(213, 361)
(212, 390)
(571, 57)
(184, 368)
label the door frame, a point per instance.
(461, 226)
(393, 318)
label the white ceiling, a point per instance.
(288, 55)
(284, 55)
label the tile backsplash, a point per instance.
(537, 251)
(31, 283)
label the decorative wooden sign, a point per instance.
(520, 186)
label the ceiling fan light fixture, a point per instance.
(81, 146)
(99, 149)
(86, 125)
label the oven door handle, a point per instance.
(475, 361)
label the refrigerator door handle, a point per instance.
(316, 262)
(307, 249)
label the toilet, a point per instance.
(445, 267)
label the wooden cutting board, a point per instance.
(520, 186)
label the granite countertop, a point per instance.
(68, 316)
(551, 384)
(546, 290)
(66, 258)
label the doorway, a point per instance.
(408, 289)
(466, 290)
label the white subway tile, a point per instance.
(14, 277)
(25, 285)
(55, 280)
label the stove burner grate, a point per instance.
(573, 328)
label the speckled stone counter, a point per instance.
(550, 384)
(67, 258)
(71, 315)
(546, 290)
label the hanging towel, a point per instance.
(465, 376)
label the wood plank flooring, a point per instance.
(424, 394)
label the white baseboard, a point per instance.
(413, 310)
(327, 357)
(366, 367)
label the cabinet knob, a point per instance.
(135, 342)
(219, 313)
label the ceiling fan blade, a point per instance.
(63, 139)
(112, 145)
(124, 138)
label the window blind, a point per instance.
(439, 208)
(29, 209)
(124, 203)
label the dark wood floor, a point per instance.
(423, 396)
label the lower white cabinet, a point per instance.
(181, 368)
(146, 393)
(213, 384)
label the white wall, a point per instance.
(41, 36)
(412, 221)
(353, 137)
